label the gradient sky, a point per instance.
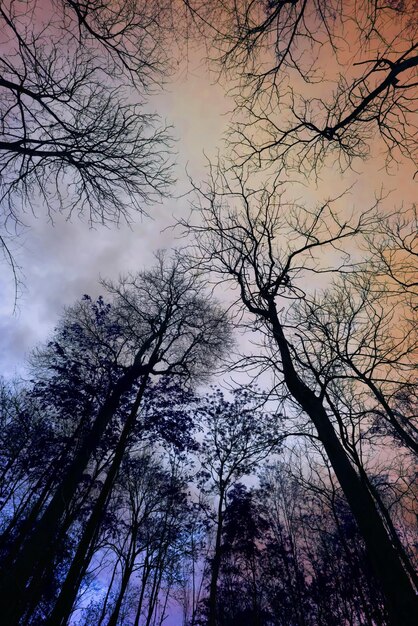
(64, 260)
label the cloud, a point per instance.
(62, 261)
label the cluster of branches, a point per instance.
(291, 554)
(330, 295)
(315, 79)
(121, 491)
(92, 399)
(75, 136)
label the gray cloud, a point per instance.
(62, 261)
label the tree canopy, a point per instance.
(228, 436)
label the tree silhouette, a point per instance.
(269, 250)
(165, 325)
(238, 436)
(75, 136)
(276, 54)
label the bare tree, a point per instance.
(350, 339)
(151, 516)
(394, 248)
(308, 515)
(75, 136)
(314, 79)
(274, 253)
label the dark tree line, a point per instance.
(102, 361)
(285, 552)
(292, 555)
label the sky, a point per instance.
(61, 261)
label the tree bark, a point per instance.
(35, 556)
(69, 590)
(400, 597)
(216, 565)
(113, 620)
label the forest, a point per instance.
(226, 436)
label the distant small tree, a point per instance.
(241, 593)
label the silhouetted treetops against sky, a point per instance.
(222, 430)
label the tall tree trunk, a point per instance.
(155, 590)
(126, 576)
(391, 528)
(35, 555)
(393, 534)
(11, 548)
(29, 521)
(158, 565)
(69, 590)
(109, 588)
(144, 580)
(113, 620)
(398, 590)
(216, 565)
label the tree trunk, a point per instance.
(155, 590)
(12, 550)
(216, 565)
(145, 575)
(29, 522)
(104, 607)
(35, 556)
(113, 620)
(69, 590)
(397, 588)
